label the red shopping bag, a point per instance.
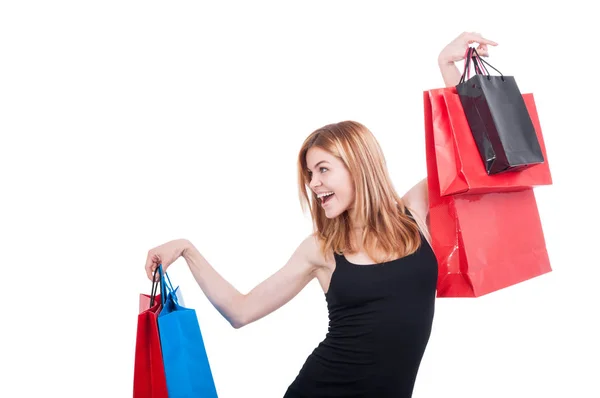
(149, 379)
(459, 165)
(483, 242)
(145, 300)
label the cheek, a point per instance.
(348, 189)
(346, 194)
(349, 198)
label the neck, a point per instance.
(354, 222)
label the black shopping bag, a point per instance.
(498, 118)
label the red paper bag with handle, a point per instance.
(459, 166)
(483, 242)
(149, 379)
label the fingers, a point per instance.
(151, 264)
(487, 42)
(148, 266)
(482, 50)
(475, 37)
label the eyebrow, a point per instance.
(316, 165)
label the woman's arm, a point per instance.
(241, 309)
(455, 51)
(450, 72)
(417, 198)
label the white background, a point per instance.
(125, 124)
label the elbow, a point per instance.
(239, 317)
(237, 323)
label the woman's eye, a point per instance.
(321, 169)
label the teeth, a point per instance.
(324, 194)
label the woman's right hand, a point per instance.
(455, 50)
(165, 254)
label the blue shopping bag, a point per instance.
(187, 368)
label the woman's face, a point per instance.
(331, 181)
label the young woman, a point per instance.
(370, 253)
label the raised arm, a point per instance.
(241, 309)
(455, 51)
(417, 198)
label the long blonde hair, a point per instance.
(380, 209)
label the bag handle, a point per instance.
(164, 287)
(482, 61)
(170, 288)
(155, 284)
(472, 54)
(467, 65)
(477, 66)
(468, 55)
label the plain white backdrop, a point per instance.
(125, 124)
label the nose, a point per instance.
(314, 182)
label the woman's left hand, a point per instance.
(456, 49)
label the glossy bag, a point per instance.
(498, 118)
(459, 166)
(186, 363)
(483, 242)
(149, 379)
(146, 299)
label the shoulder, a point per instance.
(311, 248)
(417, 200)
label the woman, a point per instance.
(370, 252)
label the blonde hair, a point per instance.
(379, 208)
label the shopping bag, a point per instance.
(186, 363)
(498, 118)
(146, 298)
(483, 242)
(149, 379)
(459, 166)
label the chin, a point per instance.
(333, 213)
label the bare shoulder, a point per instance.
(311, 248)
(417, 200)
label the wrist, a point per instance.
(443, 61)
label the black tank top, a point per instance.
(380, 320)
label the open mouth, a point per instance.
(326, 199)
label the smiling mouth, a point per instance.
(326, 199)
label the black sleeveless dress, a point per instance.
(380, 320)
